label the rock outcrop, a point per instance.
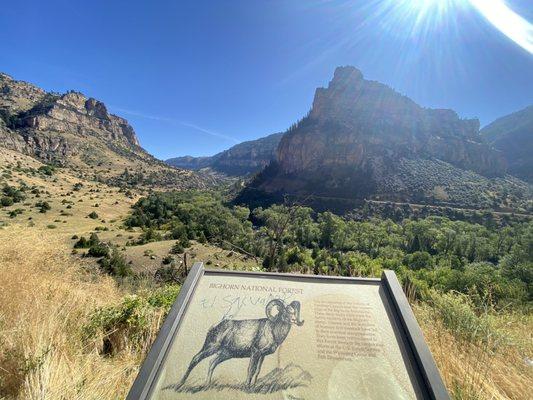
(362, 139)
(29, 109)
(74, 113)
(72, 130)
(242, 159)
(512, 135)
(354, 122)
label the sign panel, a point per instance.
(281, 336)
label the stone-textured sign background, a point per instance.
(347, 348)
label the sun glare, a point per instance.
(497, 12)
(507, 21)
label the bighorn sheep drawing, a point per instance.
(253, 338)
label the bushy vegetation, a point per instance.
(10, 120)
(133, 319)
(192, 215)
(43, 206)
(114, 263)
(46, 170)
(11, 195)
(111, 261)
(488, 263)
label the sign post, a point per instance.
(283, 336)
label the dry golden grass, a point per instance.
(57, 189)
(44, 302)
(494, 369)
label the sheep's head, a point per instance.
(286, 313)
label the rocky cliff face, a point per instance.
(28, 109)
(512, 135)
(354, 122)
(74, 113)
(242, 159)
(75, 131)
(362, 139)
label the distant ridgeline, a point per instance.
(74, 131)
(242, 159)
(363, 140)
(512, 135)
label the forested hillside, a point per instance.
(363, 140)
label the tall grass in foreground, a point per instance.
(66, 333)
(45, 301)
(480, 355)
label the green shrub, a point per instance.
(133, 321)
(458, 314)
(99, 249)
(419, 260)
(149, 235)
(17, 195)
(82, 243)
(115, 264)
(177, 248)
(6, 201)
(43, 206)
(15, 213)
(168, 273)
(46, 170)
(184, 242)
(93, 215)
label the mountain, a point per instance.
(77, 132)
(242, 159)
(512, 135)
(363, 140)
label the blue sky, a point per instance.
(197, 77)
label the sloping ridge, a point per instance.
(74, 131)
(512, 135)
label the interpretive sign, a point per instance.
(246, 335)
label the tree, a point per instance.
(115, 264)
(276, 220)
(43, 206)
(419, 260)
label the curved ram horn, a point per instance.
(271, 304)
(296, 306)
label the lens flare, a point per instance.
(429, 13)
(507, 21)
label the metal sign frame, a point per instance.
(423, 362)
